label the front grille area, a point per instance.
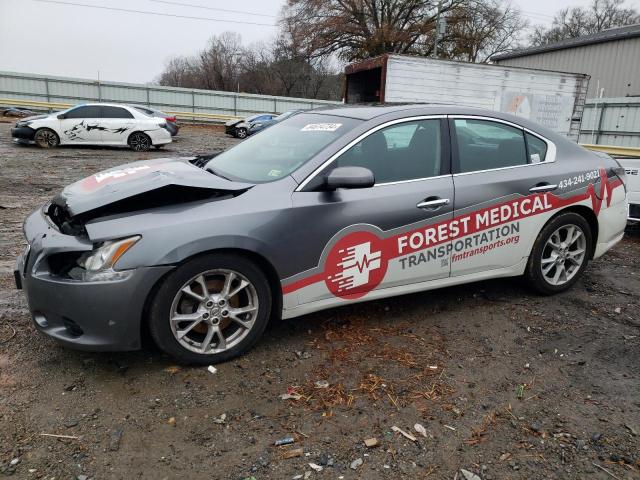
(65, 223)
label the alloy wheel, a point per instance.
(214, 311)
(46, 138)
(563, 254)
(139, 142)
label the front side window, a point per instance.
(485, 145)
(284, 148)
(405, 151)
(115, 112)
(83, 112)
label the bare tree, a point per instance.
(221, 62)
(281, 67)
(356, 29)
(480, 29)
(578, 21)
(181, 71)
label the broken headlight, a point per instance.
(23, 123)
(99, 263)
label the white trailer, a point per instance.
(553, 99)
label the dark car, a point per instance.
(242, 128)
(172, 121)
(259, 126)
(329, 208)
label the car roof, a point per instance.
(370, 112)
(102, 104)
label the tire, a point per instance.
(241, 133)
(139, 141)
(552, 270)
(46, 138)
(203, 319)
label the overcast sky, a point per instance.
(52, 37)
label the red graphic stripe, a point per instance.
(305, 282)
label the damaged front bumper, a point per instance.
(23, 134)
(97, 315)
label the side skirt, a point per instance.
(513, 271)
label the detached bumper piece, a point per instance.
(23, 134)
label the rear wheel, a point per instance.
(241, 132)
(46, 138)
(139, 141)
(210, 309)
(560, 254)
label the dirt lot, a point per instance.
(507, 384)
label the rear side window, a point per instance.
(406, 151)
(537, 149)
(115, 112)
(146, 111)
(84, 112)
(485, 145)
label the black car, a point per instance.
(172, 122)
(242, 128)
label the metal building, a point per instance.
(611, 58)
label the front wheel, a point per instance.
(211, 309)
(46, 138)
(560, 254)
(139, 141)
(241, 132)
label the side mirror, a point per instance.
(349, 177)
(62, 116)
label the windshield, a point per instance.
(281, 149)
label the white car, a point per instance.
(94, 124)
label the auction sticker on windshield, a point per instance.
(321, 127)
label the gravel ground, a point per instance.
(507, 384)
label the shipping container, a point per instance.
(553, 99)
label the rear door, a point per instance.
(118, 123)
(81, 125)
(502, 177)
(392, 234)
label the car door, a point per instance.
(502, 178)
(117, 124)
(388, 235)
(81, 125)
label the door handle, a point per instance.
(433, 203)
(543, 187)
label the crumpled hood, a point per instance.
(136, 178)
